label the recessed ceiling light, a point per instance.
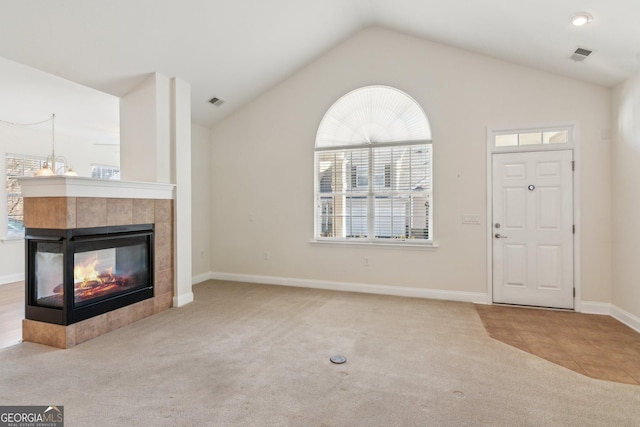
(581, 18)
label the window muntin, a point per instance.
(554, 136)
(374, 169)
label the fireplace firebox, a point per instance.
(76, 274)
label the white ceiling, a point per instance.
(31, 96)
(237, 49)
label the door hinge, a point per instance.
(573, 165)
(573, 229)
(574, 292)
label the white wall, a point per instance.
(36, 141)
(200, 201)
(11, 261)
(145, 131)
(626, 196)
(262, 161)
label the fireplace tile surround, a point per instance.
(74, 209)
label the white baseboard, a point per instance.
(201, 278)
(614, 311)
(474, 297)
(11, 278)
(625, 317)
(590, 307)
(184, 299)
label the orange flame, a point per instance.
(86, 272)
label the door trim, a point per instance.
(574, 145)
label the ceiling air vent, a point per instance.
(580, 54)
(216, 101)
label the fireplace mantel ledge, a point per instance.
(77, 186)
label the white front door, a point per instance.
(533, 228)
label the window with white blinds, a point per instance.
(17, 165)
(105, 172)
(374, 169)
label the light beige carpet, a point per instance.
(258, 355)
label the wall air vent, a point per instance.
(216, 101)
(580, 54)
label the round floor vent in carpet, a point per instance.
(337, 359)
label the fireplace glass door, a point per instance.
(75, 274)
(49, 274)
(101, 273)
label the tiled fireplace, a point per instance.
(99, 256)
(80, 273)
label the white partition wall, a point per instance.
(155, 140)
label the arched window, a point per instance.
(373, 160)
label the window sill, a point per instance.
(401, 245)
(12, 239)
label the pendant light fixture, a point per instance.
(46, 169)
(49, 166)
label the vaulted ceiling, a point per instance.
(235, 50)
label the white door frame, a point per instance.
(574, 145)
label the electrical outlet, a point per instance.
(265, 256)
(365, 262)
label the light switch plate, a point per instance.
(471, 219)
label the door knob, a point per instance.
(499, 236)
